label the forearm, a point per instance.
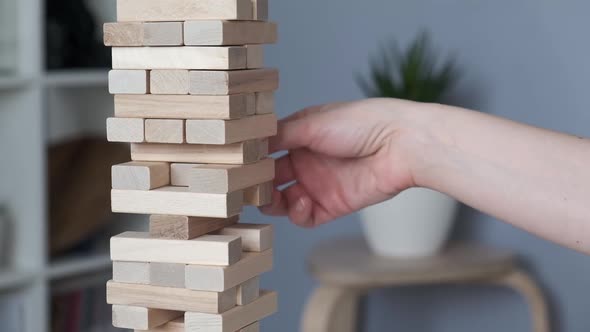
(536, 179)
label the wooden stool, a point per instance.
(347, 270)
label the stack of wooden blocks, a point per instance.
(193, 99)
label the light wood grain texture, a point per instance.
(123, 34)
(248, 291)
(186, 228)
(180, 174)
(258, 195)
(255, 237)
(219, 250)
(217, 278)
(167, 275)
(235, 318)
(169, 82)
(177, 325)
(260, 9)
(186, 57)
(233, 82)
(129, 82)
(263, 148)
(125, 130)
(254, 327)
(218, 33)
(131, 272)
(221, 179)
(164, 131)
(176, 201)
(254, 56)
(163, 33)
(232, 131)
(265, 102)
(182, 107)
(183, 10)
(237, 153)
(137, 175)
(140, 318)
(170, 298)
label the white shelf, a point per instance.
(78, 265)
(12, 279)
(13, 82)
(76, 78)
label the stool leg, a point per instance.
(331, 309)
(528, 288)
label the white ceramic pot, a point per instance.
(415, 223)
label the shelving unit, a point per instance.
(76, 78)
(14, 279)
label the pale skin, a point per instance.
(346, 156)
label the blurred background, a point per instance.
(525, 60)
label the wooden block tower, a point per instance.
(195, 103)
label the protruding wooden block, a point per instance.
(265, 102)
(237, 153)
(177, 201)
(233, 319)
(123, 34)
(167, 275)
(259, 195)
(169, 82)
(177, 325)
(221, 250)
(183, 10)
(255, 56)
(254, 327)
(255, 237)
(260, 9)
(125, 130)
(139, 318)
(131, 272)
(211, 178)
(233, 82)
(218, 33)
(163, 34)
(186, 57)
(186, 228)
(164, 131)
(182, 107)
(136, 175)
(232, 131)
(170, 298)
(217, 278)
(248, 291)
(129, 82)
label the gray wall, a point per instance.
(526, 60)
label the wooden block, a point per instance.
(260, 9)
(170, 298)
(248, 291)
(233, 319)
(169, 82)
(219, 33)
(180, 173)
(183, 10)
(233, 82)
(123, 34)
(265, 102)
(259, 195)
(139, 318)
(182, 107)
(164, 131)
(255, 56)
(232, 131)
(167, 275)
(177, 201)
(177, 325)
(129, 82)
(125, 130)
(186, 228)
(219, 250)
(137, 175)
(254, 327)
(163, 34)
(186, 57)
(255, 237)
(237, 153)
(131, 272)
(217, 278)
(211, 178)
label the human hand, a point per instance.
(342, 157)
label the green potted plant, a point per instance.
(416, 222)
